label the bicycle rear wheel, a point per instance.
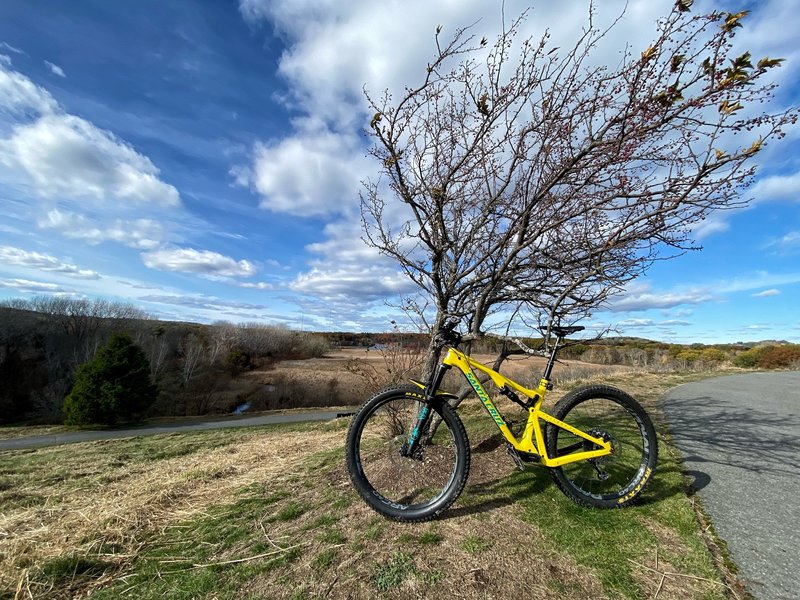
(611, 481)
(406, 488)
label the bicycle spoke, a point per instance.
(404, 480)
(604, 480)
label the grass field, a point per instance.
(269, 512)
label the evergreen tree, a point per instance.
(113, 386)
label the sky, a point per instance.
(203, 161)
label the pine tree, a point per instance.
(113, 386)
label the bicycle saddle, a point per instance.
(565, 331)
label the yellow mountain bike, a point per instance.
(600, 444)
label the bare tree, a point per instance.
(223, 336)
(159, 348)
(192, 347)
(80, 318)
(523, 174)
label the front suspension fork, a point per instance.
(424, 415)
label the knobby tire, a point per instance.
(409, 489)
(608, 412)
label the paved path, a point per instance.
(740, 439)
(89, 436)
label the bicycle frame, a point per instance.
(532, 439)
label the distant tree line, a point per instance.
(197, 368)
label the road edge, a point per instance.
(716, 545)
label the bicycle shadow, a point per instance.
(512, 486)
(500, 492)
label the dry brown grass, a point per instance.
(335, 363)
(10, 433)
(116, 506)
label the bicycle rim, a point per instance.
(407, 483)
(610, 477)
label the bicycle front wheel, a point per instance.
(406, 488)
(611, 481)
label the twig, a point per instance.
(660, 583)
(330, 587)
(22, 578)
(672, 574)
(240, 560)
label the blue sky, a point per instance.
(203, 160)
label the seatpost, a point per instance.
(548, 370)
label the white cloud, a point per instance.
(55, 69)
(767, 293)
(211, 308)
(57, 160)
(19, 95)
(203, 262)
(711, 225)
(11, 48)
(66, 156)
(315, 173)
(647, 323)
(777, 187)
(351, 284)
(786, 244)
(640, 297)
(143, 234)
(25, 285)
(252, 285)
(335, 49)
(42, 262)
(348, 271)
(199, 301)
(754, 281)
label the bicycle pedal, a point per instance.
(515, 456)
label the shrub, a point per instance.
(779, 357)
(713, 355)
(113, 386)
(238, 360)
(749, 358)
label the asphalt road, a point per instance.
(740, 439)
(90, 436)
